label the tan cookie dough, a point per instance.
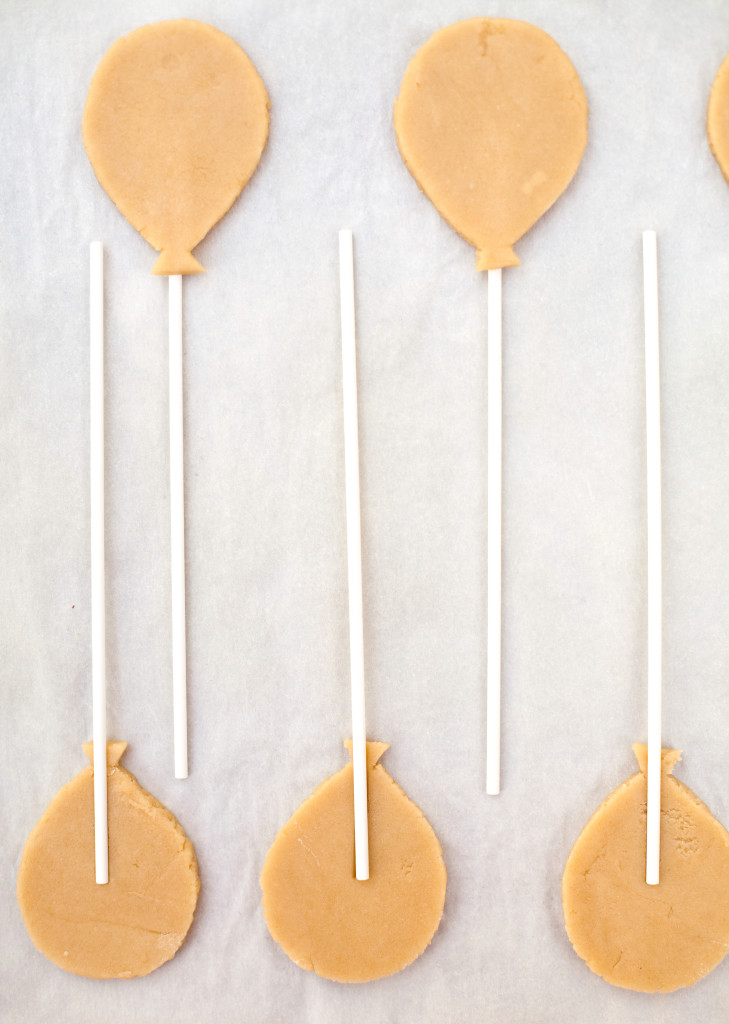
(651, 938)
(326, 920)
(717, 118)
(139, 919)
(491, 121)
(175, 122)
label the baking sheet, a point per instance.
(266, 558)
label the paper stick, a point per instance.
(653, 505)
(177, 531)
(493, 552)
(98, 586)
(354, 554)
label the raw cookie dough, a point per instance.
(717, 118)
(139, 919)
(175, 122)
(651, 938)
(326, 920)
(491, 122)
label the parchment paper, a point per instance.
(266, 558)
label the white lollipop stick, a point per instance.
(493, 553)
(98, 588)
(354, 555)
(653, 448)
(177, 531)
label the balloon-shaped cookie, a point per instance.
(646, 937)
(175, 122)
(717, 118)
(138, 920)
(491, 121)
(324, 918)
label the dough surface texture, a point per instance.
(327, 921)
(137, 921)
(491, 121)
(650, 938)
(175, 122)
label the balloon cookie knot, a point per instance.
(669, 758)
(114, 752)
(493, 259)
(171, 261)
(374, 751)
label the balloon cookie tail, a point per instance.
(494, 259)
(173, 262)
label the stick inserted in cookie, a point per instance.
(354, 554)
(177, 531)
(98, 587)
(653, 507)
(493, 544)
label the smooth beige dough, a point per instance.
(137, 921)
(491, 121)
(717, 118)
(175, 122)
(327, 921)
(651, 938)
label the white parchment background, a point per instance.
(266, 562)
